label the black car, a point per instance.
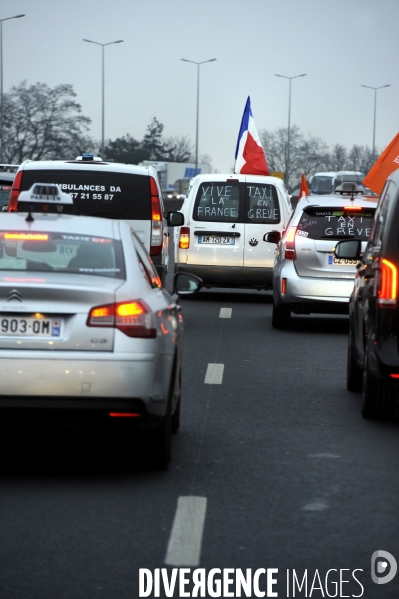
(373, 346)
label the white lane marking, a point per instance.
(225, 312)
(184, 547)
(214, 374)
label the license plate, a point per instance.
(29, 326)
(216, 240)
(341, 261)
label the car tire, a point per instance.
(378, 397)
(281, 316)
(176, 413)
(354, 374)
(161, 442)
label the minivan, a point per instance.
(226, 218)
(107, 190)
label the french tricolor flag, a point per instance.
(250, 157)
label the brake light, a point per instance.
(27, 236)
(353, 208)
(133, 318)
(156, 220)
(289, 244)
(184, 238)
(15, 191)
(124, 414)
(387, 285)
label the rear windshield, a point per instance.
(105, 194)
(4, 194)
(61, 252)
(323, 223)
(237, 202)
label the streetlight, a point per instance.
(198, 79)
(287, 166)
(375, 108)
(102, 119)
(1, 81)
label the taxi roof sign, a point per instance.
(45, 193)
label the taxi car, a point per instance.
(307, 277)
(86, 329)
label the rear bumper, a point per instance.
(307, 294)
(230, 276)
(103, 382)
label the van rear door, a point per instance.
(217, 236)
(263, 213)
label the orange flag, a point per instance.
(303, 190)
(383, 167)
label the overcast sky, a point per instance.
(339, 45)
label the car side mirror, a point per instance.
(186, 284)
(349, 249)
(272, 237)
(174, 218)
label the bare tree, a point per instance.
(179, 148)
(43, 123)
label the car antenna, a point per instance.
(29, 218)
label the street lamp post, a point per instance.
(198, 80)
(287, 166)
(1, 81)
(375, 110)
(102, 109)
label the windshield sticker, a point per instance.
(302, 233)
(86, 192)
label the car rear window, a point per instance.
(105, 194)
(61, 252)
(262, 203)
(237, 202)
(337, 223)
(218, 202)
(5, 189)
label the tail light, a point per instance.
(289, 244)
(387, 290)
(156, 220)
(134, 318)
(15, 191)
(184, 238)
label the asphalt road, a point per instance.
(273, 468)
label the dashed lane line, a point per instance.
(214, 374)
(225, 312)
(185, 541)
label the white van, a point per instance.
(225, 220)
(108, 190)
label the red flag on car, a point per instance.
(304, 189)
(383, 167)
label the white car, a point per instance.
(308, 277)
(85, 326)
(107, 190)
(226, 218)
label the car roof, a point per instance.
(337, 201)
(62, 223)
(30, 165)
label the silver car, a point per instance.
(86, 328)
(307, 277)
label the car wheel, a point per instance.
(161, 442)
(354, 374)
(281, 317)
(378, 397)
(176, 413)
